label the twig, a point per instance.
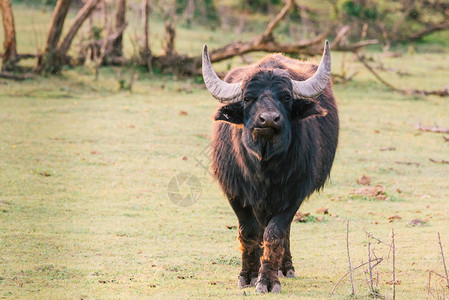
(375, 238)
(378, 260)
(428, 286)
(370, 269)
(439, 161)
(435, 128)
(388, 149)
(408, 163)
(442, 257)
(394, 263)
(429, 291)
(349, 258)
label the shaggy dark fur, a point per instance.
(266, 171)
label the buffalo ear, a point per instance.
(231, 113)
(305, 108)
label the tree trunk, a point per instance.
(10, 57)
(146, 52)
(190, 11)
(50, 61)
(170, 33)
(82, 15)
(117, 45)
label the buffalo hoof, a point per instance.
(276, 288)
(262, 287)
(243, 282)
(289, 274)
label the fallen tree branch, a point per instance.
(439, 161)
(22, 56)
(188, 65)
(442, 93)
(12, 76)
(435, 128)
(239, 48)
(408, 163)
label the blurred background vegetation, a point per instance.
(389, 25)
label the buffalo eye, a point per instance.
(248, 99)
(286, 97)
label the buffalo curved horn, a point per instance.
(219, 89)
(314, 86)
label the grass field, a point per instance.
(84, 169)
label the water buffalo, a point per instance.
(273, 145)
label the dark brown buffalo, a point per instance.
(273, 146)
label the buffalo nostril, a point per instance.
(262, 119)
(277, 118)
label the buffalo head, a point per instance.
(266, 103)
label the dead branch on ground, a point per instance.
(407, 163)
(435, 128)
(439, 161)
(442, 93)
(17, 77)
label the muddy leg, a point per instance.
(274, 239)
(287, 268)
(250, 237)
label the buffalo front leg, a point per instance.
(287, 268)
(251, 250)
(274, 239)
(250, 237)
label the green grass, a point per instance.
(84, 211)
(102, 226)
